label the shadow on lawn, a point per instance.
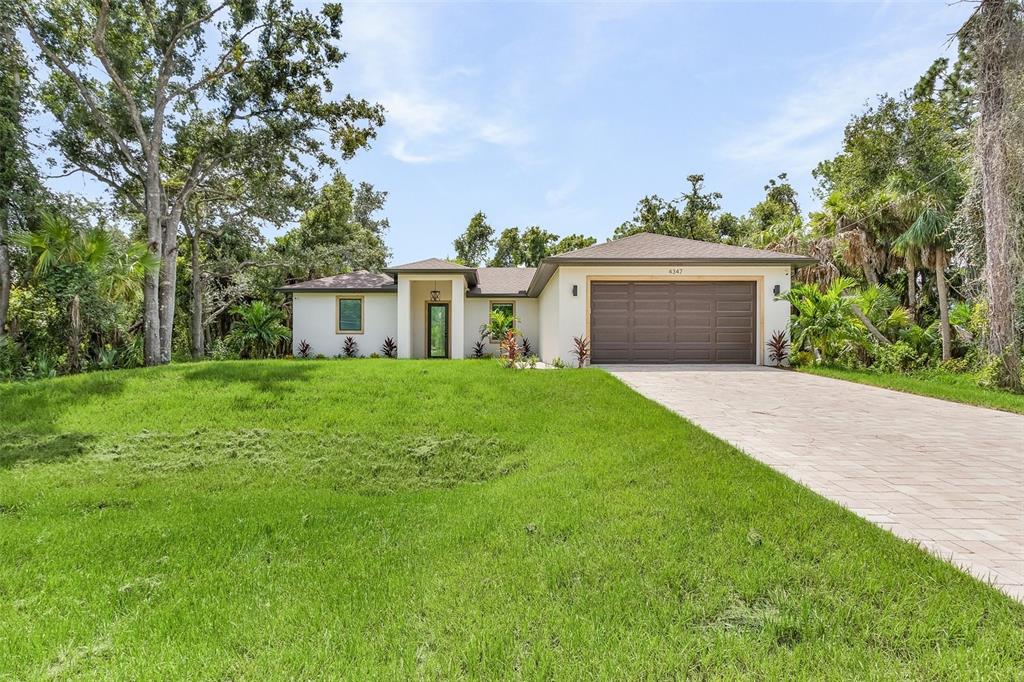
(37, 406)
(276, 380)
(39, 448)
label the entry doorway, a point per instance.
(437, 330)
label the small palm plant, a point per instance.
(498, 323)
(510, 348)
(824, 321)
(778, 348)
(350, 348)
(581, 349)
(258, 331)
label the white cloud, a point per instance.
(808, 123)
(432, 112)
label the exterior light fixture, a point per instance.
(435, 294)
(777, 289)
(575, 290)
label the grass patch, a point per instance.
(934, 383)
(445, 520)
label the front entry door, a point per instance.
(437, 330)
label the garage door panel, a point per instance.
(737, 338)
(727, 306)
(666, 322)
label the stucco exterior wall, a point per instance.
(547, 314)
(419, 295)
(568, 314)
(549, 321)
(315, 320)
(478, 310)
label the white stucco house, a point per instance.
(642, 299)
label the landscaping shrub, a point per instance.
(581, 349)
(219, 350)
(801, 358)
(389, 348)
(106, 358)
(478, 350)
(510, 348)
(304, 350)
(350, 348)
(258, 332)
(898, 357)
(778, 348)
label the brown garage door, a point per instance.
(662, 322)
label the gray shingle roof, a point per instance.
(502, 281)
(647, 246)
(657, 249)
(429, 264)
(351, 281)
(435, 265)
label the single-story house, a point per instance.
(646, 298)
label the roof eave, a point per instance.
(469, 274)
(522, 293)
(782, 260)
(549, 265)
(390, 289)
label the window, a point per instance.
(507, 307)
(350, 314)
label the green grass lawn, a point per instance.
(381, 519)
(960, 388)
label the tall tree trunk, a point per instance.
(151, 283)
(5, 280)
(168, 288)
(198, 328)
(997, 21)
(869, 273)
(912, 292)
(940, 285)
(74, 335)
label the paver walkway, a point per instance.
(947, 476)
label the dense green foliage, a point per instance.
(246, 527)
(900, 214)
(512, 248)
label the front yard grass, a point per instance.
(381, 519)
(934, 383)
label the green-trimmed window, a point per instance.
(350, 314)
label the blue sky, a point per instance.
(563, 115)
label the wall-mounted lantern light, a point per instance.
(575, 290)
(777, 289)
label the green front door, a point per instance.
(437, 330)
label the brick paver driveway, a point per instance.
(947, 476)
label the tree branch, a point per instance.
(83, 91)
(219, 71)
(99, 37)
(879, 336)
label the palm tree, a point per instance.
(258, 331)
(824, 319)
(59, 243)
(928, 240)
